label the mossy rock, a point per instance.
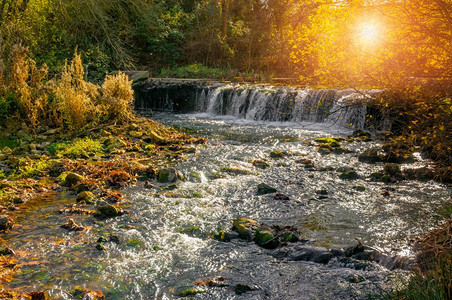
(5, 222)
(371, 155)
(359, 188)
(392, 169)
(188, 291)
(380, 176)
(261, 164)
(72, 179)
(423, 174)
(244, 227)
(167, 175)
(277, 154)
(85, 196)
(328, 140)
(6, 251)
(263, 189)
(290, 237)
(265, 236)
(321, 192)
(154, 137)
(109, 211)
(349, 175)
(361, 134)
(235, 171)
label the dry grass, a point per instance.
(117, 96)
(66, 101)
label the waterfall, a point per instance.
(344, 107)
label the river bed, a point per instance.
(164, 243)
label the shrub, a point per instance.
(25, 80)
(74, 94)
(117, 96)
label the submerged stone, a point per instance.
(263, 189)
(235, 171)
(188, 291)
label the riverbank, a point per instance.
(89, 165)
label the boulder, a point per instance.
(244, 227)
(349, 175)
(261, 164)
(5, 222)
(168, 175)
(265, 236)
(72, 179)
(109, 211)
(85, 197)
(263, 189)
(370, 156)
(392, 169)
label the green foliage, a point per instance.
(8, 142)
(8, 106)
(193, 71)
(434, 285)
(77, 148)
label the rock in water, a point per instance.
(72, 179)
(5, 222)
(263, 189)
(168, 175)
(265, 236)
(109, 211)
(244, 227)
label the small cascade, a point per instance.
(258, 102)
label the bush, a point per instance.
(117, 96)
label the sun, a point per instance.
(369, 33)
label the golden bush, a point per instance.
(117, 96)
(72, 95)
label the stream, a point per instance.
(164, 243)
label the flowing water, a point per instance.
(165, 240)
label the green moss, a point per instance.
(197, 195)
(135, 242)
(328, 140)
(76, 148)
(235, 171)
(189, 292)
(243, 226)
(8, 142)
(265, 237)
(277, 154)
